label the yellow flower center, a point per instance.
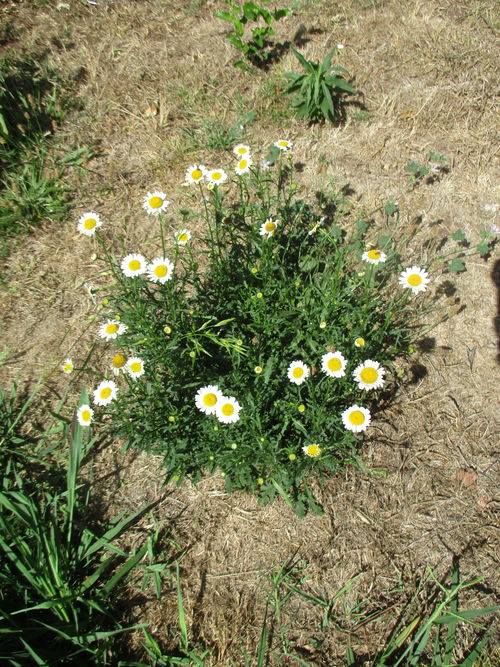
(243, 164)
(313, 450)
(111, 328)
(106, 392)
(227, 409)
(85, 415)
(155, 202)
(373, 254)
(414, 279)
(284, 144)
(270, 226)
(134, 265)
(183, 238)
(242, 150)
(196, 174)
(334, 364)
(216, 176)
(136, 367)
(68, 367)
(360, 342)
(298, 372)
(369, 375)
(89, 223)
(160, 271)
(356, 418)
(210, 400)
(119, 361)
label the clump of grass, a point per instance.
(31, 186)
(60, 569)
(258, 349)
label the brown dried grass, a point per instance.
(427, 72)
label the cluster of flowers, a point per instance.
(197, 172)
(107, 390)
(211, 401)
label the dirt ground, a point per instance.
(145, 74)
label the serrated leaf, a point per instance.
(412, 167)
(483, 248)
(459, 235)
(456, 266)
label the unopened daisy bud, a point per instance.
(258, 370)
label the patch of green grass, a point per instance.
(61, 570)
(31, 185)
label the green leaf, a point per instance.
(456, 266)
(483, 248)
(305, 63)
(458, 235)
(280, 13)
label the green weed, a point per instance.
(60, 574)
(319, 93)
(257, 48)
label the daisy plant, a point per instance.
(263, 356)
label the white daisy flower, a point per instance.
(356, 418)
(112, 329)
(228, 410)
(183, 237)
(67, 366)
(84, 415)
(160, 270)
(415, 279)
(134, 367)
(297, 372)
(195, 173)
(283, 144)
(155, 202)
(268, 228)
(312, 450)
(316, 226)
(216, 176)
(243, 166)
(333, 364)
(105, 392)
(359, 342)
(369, 375)
(88, 223)
(241, 150)
(118, 363)
(133, 265)
(374, 256)
(207, 398)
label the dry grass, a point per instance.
(144, 71)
